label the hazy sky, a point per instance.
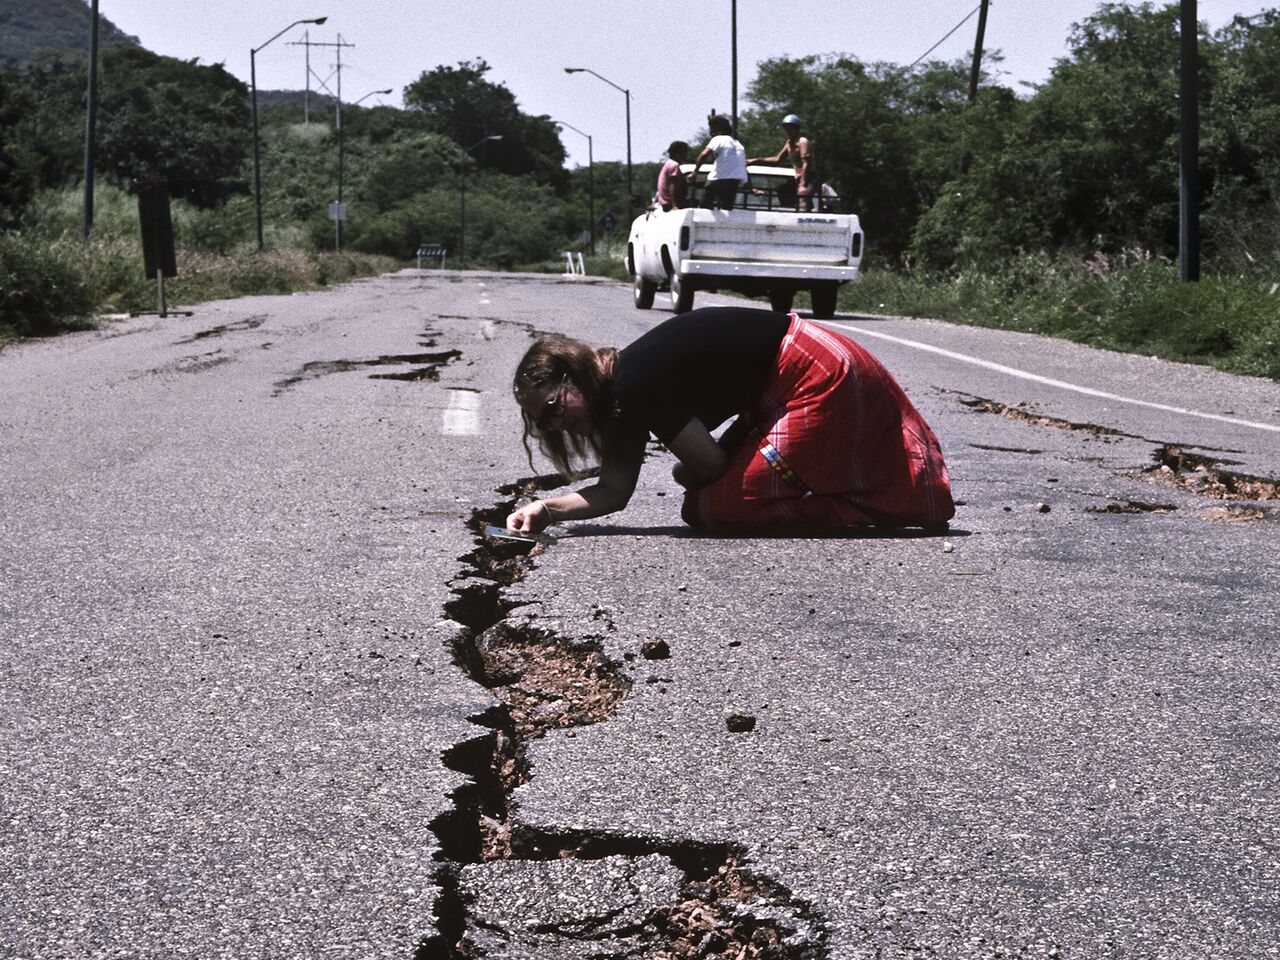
(677, 69)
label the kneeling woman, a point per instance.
(824, 437)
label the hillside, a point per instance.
(57, 24)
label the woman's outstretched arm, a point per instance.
(612, 492)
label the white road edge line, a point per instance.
(1026, 375)
(461, 419)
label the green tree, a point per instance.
(161, 117)
(49, 93)
(156, 117)
(410, 163)
(459, 103)
(1240, 143)
(19, 160)
(1088, 162)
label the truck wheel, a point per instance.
(780, 299)
(681, 293)
(642, 292)
(824, 300)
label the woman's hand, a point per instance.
(530, 518)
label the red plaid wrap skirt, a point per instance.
(835, 443)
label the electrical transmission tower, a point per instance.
(322, 83)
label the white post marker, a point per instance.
(1049, 381)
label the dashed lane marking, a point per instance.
(1049, 381)
(462, 417)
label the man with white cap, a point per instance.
(799, 151)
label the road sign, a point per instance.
(337, 211)
(608, 222)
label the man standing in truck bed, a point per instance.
(800, 152)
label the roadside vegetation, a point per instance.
(1050, 209)
(1131, 302)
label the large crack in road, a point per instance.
(512, 890)
(1172, 466)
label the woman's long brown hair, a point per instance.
(551, 361)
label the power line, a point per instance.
(947, 37)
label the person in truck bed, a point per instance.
(799, 150)
(728, 168)
(673, 188)
(824, 437)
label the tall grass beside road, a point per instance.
(1132, 302)
(50, 287)
(52, 281)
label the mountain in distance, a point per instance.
(55, 24)
(27, 26)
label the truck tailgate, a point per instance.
(772, 237)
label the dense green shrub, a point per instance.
(47, 287)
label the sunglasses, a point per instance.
(552, 406)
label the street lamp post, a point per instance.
(591, 184)
(253, 83)
(462, 201)
(626, 93)
(337, 223)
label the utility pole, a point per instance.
(306, 91)
(337, 223)
(977, 52)
(1189, 147)
(91, 119)
(733, 30)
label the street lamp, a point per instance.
(462, 202)
(253, 83)
(591, 184)
(626, 93)
(337, 223)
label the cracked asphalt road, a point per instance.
(225, 689)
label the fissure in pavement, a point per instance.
(598, 894)
(1173, 465)
(1209, 477)
(430, 369)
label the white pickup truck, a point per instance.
(762, 247)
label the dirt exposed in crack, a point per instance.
(1021, 412)
(1174, 466)
(1208, 477)
(545, 682)
(710, 922)
(1133, 506)
(1239, 513)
